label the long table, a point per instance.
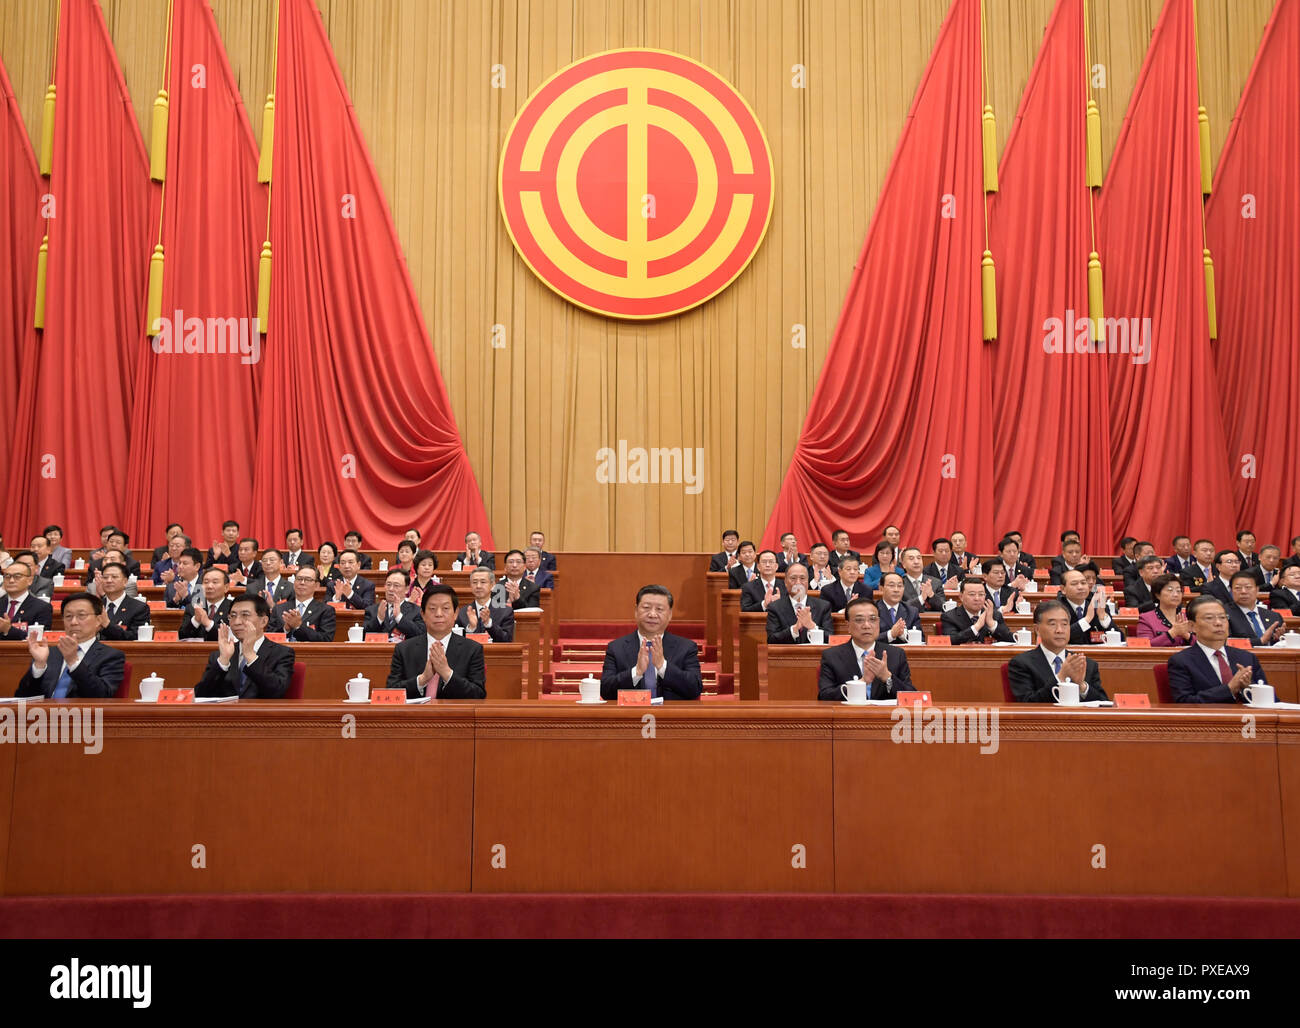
(517, 797)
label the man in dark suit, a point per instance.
(896, 617)
(1181, 559)
(1294, 559)
(514, 588)
(840, 550)
(883, 667)
(475, 555)
(19, 608)
(46, 565)
(247, 664)
(1025, 558)
(187, 581)
(975, 619)
(921, 591)
(1208, 671)
(352, 541)
(203, 615)
(439, 664)
(534, 571)
(350, 588)
(746, 570)
(79, 666)
(727, 558)
(294, 555)
(276, 586)
(1202, 567)
(820, 574)
(1137, 590)
(764, 590)
(1246, 549)
(848, 585)
(1247, 617)
(1089, 618)
(1226, 564)
(1071, 557)
(790, 617)
(246, 572)
(538, 539)
(123, 616)
(159, 552)
(1034, 673)
(164, 567)
(943, 567)
(789, 554)
(1017, 565)
(1141, 551)
(481, 614)
(41, 588)
(1268, 572)
(305, 619)
(652, 657)
(1124, 559)
(1285, 596)
(120, 541)
(395, 615)
(223, 551)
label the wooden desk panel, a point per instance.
(1181, 802)
(714, 801)
(1288, 761)
(8, 760)
(279, 798)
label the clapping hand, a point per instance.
(1075, 668)
(226, 643)
(39, 649)
(874, 666)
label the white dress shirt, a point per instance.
(445, 640)
(82, 647)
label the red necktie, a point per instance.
(1225, 672)
(13, 609)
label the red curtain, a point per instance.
(1253, 224)
(20, 238)
(197, 428)
(74, 445)
(898, 427)
(1168, 469)
(1051, 438)
(365, 437)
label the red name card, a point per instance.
(1241, 644)
(1132, 699)
(52, 637)
(375, 637)
(838, 640)
(390, 696)
(157, 604)
(278, 637)
(1139, 640)
(634, 697)
(1051, 590)
(166, 636)
(1128, 612)
(175, 695)
(938, 639)
(479, 637)
(1040, 573)
(920, 698)
(337, 605)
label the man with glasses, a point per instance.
(247, 664)
(20, 608)
(883, 667)
(1209, 671)
(79, 666)
(395, 615)
(1226, 564)
(304, 618)
(1034, 673)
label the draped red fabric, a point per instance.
(898, 426)
(192, 433)
(20, 238)
(365, 437)
(1253, 222)
(1168, 469)
(74, 446)
(1051, 438)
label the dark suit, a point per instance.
(1079, 635)
(132, 568)
(302, 560)
(49, 567)
(363, 593)
(266, 678)
(541, 578)
(681, 676)
(405, 620)
(751, 597)
(1284, 600)
(835, 596)
(485, 560)
(42, 589)
(1175, 564)
(958, 625)
(1059, 567)
(1248, 560)
(548, 561)
(1216, 588)
(840, 665)
(736, 577)
(718, 562)
(464, 657)
(912, 595)
(1020, 568)
(502, 629)
(283, 590)
(193, 588)
(944, 572)
(781, 618)
(1195, 577)
(1194, 678)
(159, 552)
(318, 622)
(1239, 626)
(530, 594)
(126, 621)
(782, 561)
(835, 559)
(1120, 564)
(908, 614)
(1267, 586)
(190, 631)
(98, 676)
(213, 557)
(160, 568)
(365, 561)
(1005, 595)
(1138, 594)
(32, 611)
(1032, 678)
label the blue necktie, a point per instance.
(241, 676)
(1056, 665)
(649, 680)
(893, 616)
(1254, 620)
(943, 574)
(62, 686)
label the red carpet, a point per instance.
(768, 916)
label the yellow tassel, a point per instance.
(268, 140)
(264, 287)
(1096, 310)
(153, 310)
(1207, 173)
(989, 291)
(1094, 145)
(47, 133)
(990, 151)
(1211, 308)
(42, 260)
(158, 141)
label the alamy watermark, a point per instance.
(946, 725)
(42, 723)
(657, 465)
(1075, 334)
(182, 335)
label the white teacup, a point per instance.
(589, 689)
(145, 633)
(1113, 637)
(58, 580)
(1022, 606)
(356, 633)
(816, 636)
(456, 565)
(359, 688)
(1066, 693)
(150, 688)
(949, 604)
(1291, 640)
(458, 629)
(1023, 636)
(79, 564)
(1031, 586)
(854, 691)
(914, 637)
(1259, 695)
(383, 564)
